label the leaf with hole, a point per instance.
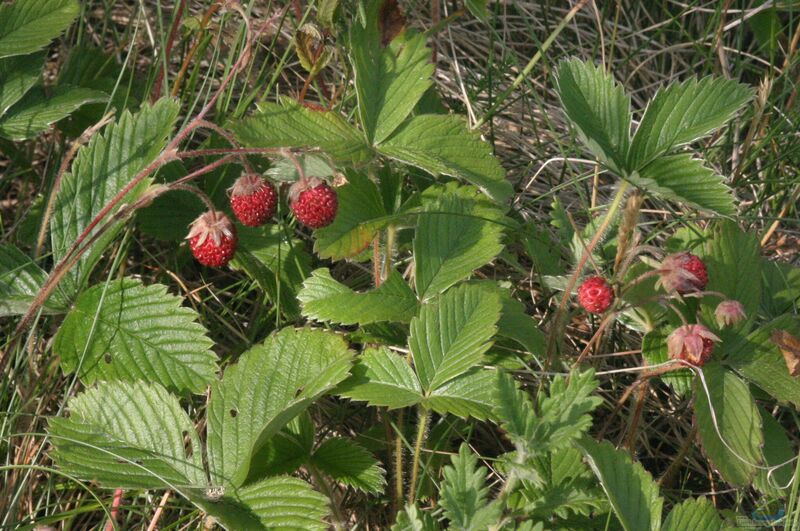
(125, 330)
(271, 384)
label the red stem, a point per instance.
(173, 32)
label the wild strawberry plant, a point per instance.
(427, 348)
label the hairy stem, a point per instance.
(612, 211)
(398, 461)
(422, 430)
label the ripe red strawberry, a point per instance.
(313, 202)
(683, 272)
(212, 238)
(253, 200)
(595, 295)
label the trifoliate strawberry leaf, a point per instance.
(598, 108)
(328, 300)
(20, 280)
(382, 378)
(470, 395)
(685, 180)
(271, 384)
(127, 331)
(101, 169)
(359, 219)
(17, 76)
(453, 238)
(452, 332)
(36, 111)
(289, 124)
(29, 25)
(696, 513)
(729, 424)
(443, 145)
(760, 361)
(464, 493)
(682, 113)
(349, 463)
(633, 494)
(129, 434)
(389, 80)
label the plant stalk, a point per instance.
(422, 429)
(612, 211)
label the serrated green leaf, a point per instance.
(129, 434)
(17, 76)
(275, 503)
(464, 493)
(682, 113)
(20, 280)
(695, 514)
(101, 169)
(389, 80)
(36, 111)
(360, 217)
(739, 423)
(284, 169)
(469, 395)
(451, 333)
(349, 463)
(271, 384)
(630, 488)
(451, 240)
(291, 125)
(27, 26)
(128, 331)
(515, 410)
(413, 519)
(760, 361)
(382, 378)
(443, 145)
(326, 299)
(565, 414)
(683, 179)
(598, 108)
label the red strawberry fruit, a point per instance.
(682, 272)
(313, 202)
(595, 295)
(212, 238)
(253, 200)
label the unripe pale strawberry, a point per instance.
(682, 272)
(253, 200)
(313, 202)
(212, 239)
(595, 295)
